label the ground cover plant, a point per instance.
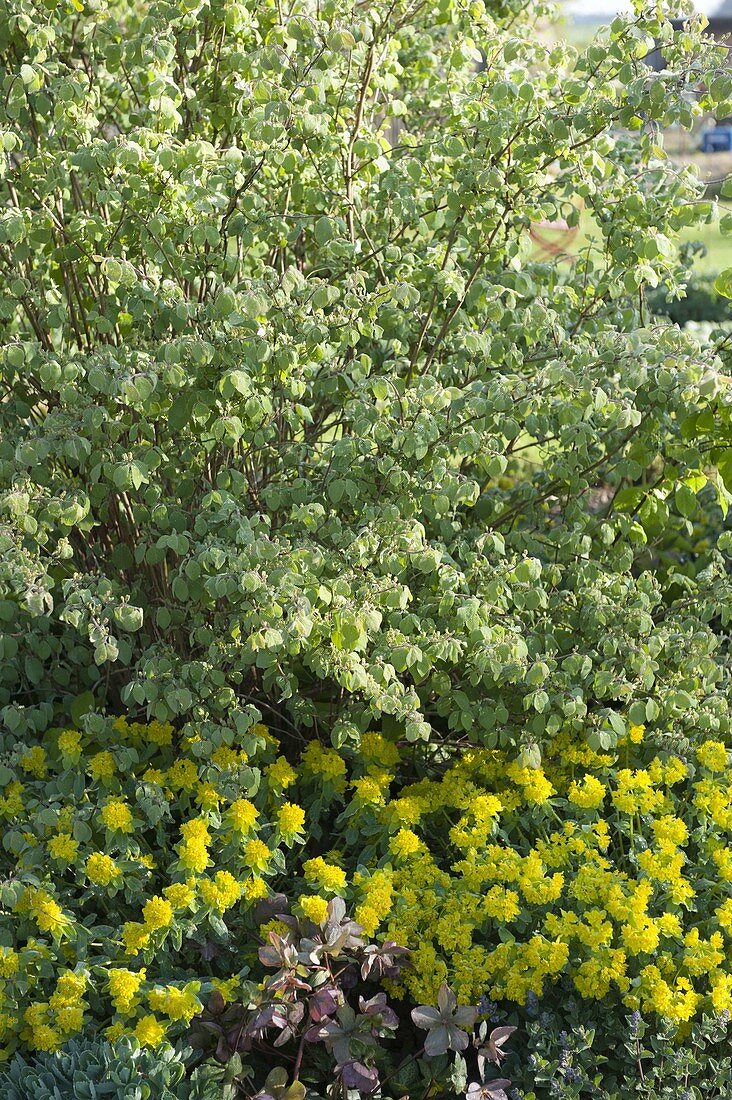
(364, 582)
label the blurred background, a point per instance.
(708, 146)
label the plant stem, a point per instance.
(298, 1057)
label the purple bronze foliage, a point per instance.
(315, 1011)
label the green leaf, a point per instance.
(128, 617)
(81, 705)
(723, 283)
(325, 230)
(180, 411)
(349, 633)
(685, 500)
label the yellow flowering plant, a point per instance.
(168, 842)
(294, 424)
(510, 880)
(607, 874)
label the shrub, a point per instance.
(317, 1005)
(134, 850)
(580, 870)
(292, 428)
(616, 1058)
(139, 872)
(289, 416)
(141, 882)
(87, 1070)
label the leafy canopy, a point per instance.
(291, 417)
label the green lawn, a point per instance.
(719, 248)
(685, 147)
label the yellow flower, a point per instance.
(196, 829)
(11, 804)
(182, 776)
(669, 925)
(207, 796)
(255, 888)
(557, 886)
(69, 1019)
(712, 755)
(149, 1031)
(156, 776)
(63, 848)
(242, 815)
(368, 917)
(326, 764)
(179, 895)
(594, 976)
(589, 794)
(723, 858)
(486, 808)
(640, 935)
(34, 762)
(535, 787)
(324, 875)
(69, 745)
(290, 819)
(377, 901)
(135, 937)
(101, 869)
(124, 987)
(8, 1024)
(712, 797)
(194, 856)
(9, 962)
(177, 1003)
(157, 913)
(404, 844)
(720, 991)
(677, 1002)
(314, 908)
(193, 852)
(70, 987)
(225, 757)
(407, 810)
(257, 855)
(501, 905)
(274, 925)
(703, 956)
(635, 792)
(220, 893)
(724, 916)
(44, 1037)
(102, 766)
(117, 816)
(670, 771)
(37, 1013)
(280, 774)
(227, 987)
(159, 733)
(368, 791)
(375, 749)
(48, 914)
(636, 734)
(670, 830)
